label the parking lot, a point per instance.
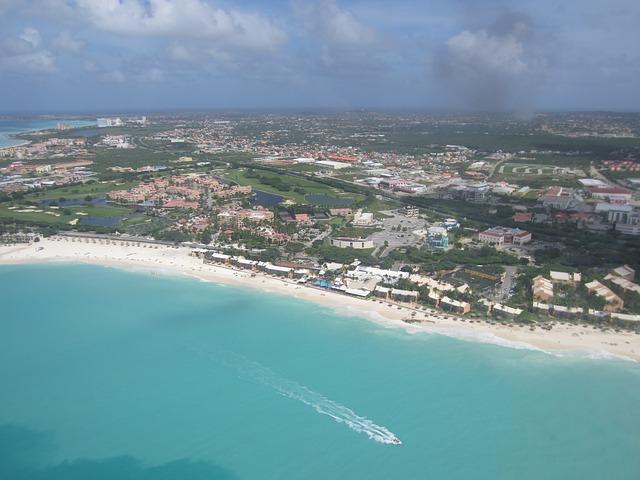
(399, 232)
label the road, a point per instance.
(509, 277)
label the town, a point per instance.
(487, 218)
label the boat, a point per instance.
(396, 441)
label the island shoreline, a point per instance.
(130, 255)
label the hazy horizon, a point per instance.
(291, 55)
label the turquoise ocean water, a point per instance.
(8, 127)
(113, 374)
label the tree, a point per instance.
(294, 247)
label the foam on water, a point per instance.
(457, 333)
(292, 389)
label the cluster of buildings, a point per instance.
(545, 301)
(597, 207)
(118, 122)
(184, 191)
(20, 176)
(47, 149)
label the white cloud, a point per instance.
(476, 52)
(495, 68)
(65, 41)
(90, 66)
(186, 19)
(30, 35)
(21, 54)
(333, 24)
(114, 76)
(153, 75)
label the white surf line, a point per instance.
(296, 391)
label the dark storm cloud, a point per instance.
(496, 67)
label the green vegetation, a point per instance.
(53, 216)
(95, 189)
(438, 261)
(328, 253)
(290, 187)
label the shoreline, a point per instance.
(124, 254)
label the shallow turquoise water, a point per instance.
(12, 126)
(112, 374)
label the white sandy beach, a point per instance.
(562, 339)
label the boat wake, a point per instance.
(320, 403)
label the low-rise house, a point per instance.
(522, 217)
(455, 306)
(542, 308)
(433, 299)
(571, 313)
(275, 269)
(214, 257)
(407, 296)
(563, 277)
(613, 302)
(625, 319)
(242, 262)
(623, 283)
(503, 311)
(625, 272)
(542, 288)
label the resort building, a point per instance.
(623, 283)
(214, 257)
(625, 272)
(389, 276)
(454, 306)
(276, 270)
(503, 311)
(450, 223)
(410, 211)
(542, 289)
(386, 293)
(362, 219)
(563, 277)
(437, 238)
(345, 242)
(625, 319)
(242, 262)
(608, 192)
(571, 313)
(340, 212)
(613, 301)
(505, 236)
(542, 308)
(433, 298)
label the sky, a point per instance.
(490, 55)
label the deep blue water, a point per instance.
(112, 374)
(265, 199)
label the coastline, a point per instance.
(125, 254)
(10, 136)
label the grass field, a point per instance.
(56, 216)
(98, 189)
(309, 187)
